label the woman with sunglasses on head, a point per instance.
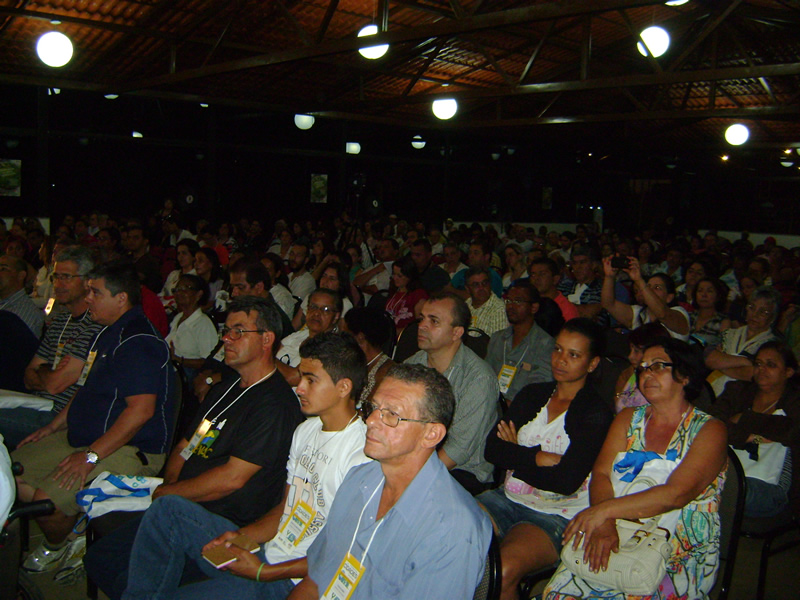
(655, 298)
(547, 441)
(681, 452)
(733, 357)
(763, 418)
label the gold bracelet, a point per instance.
(258, 573)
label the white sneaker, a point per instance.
(43, 559)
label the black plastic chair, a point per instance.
(406, 343)
(489, 587)
(770, 529)
(731, 512)
(477, 340)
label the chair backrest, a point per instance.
(476, 340)
(378, 300)
(489, 586)
(731, 512)
(388, 347)
(406, 343)
(180, 386)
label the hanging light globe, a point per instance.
(304, 121)
(417, 142)
(371, 52)
(352, 147)
(54, 49)
(445, 108)
(737, 134)
(655, 41)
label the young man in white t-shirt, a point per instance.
(324, 448)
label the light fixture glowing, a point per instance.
(111, 96)
(676, 2)
(787, 151)
(352, 147)
(495, 156)
(304, 121)
(737, 134)
(724, 157)
(787, 163)
(53, 91)
(203, 105)
(445, 108)
(136, 134)
(653, 39)
(371, 52)
(54, 49)
(417, 142)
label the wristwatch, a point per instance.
(91, 456)
(209, 380)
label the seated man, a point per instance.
(234, 465)
(480, 257)
(402, 521)
(324, 310)
(13, 298)
(545, 277)
(488, 311)
(52, 374)
(521, 353)
(117, 421)
(444, 320)
(324, 448)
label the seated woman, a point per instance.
(184, 253)
(763, 418)
(696, 271)
(647, 254)
(336, 277)
(516, 265)
(372, 331)
(548, 441)
(655, 300)
(689, 446)
(402, 305)
(708, 321)
(737, 309)
(206, 264)
(627, 390)
(192, 335)
(733, 357)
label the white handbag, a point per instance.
(639, 566)
(109, 492)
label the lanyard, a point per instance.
(316, 450)
(527, 346)
(235, 400)
(372, 537)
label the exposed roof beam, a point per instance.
(708, 29)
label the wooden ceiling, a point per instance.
(515, 66)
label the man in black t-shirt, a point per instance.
(233, 459)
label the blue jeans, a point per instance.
(763, 499)
(18, 423)
(173, 530)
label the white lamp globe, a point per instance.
(371, 52)
(54, 49)
(656, 41)
(445, 108)
(676, 2)
(352, 147)
(304, 121)
(737, 134)
(417, 142)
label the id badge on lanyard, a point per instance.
(299, 520)
(87, 367)
(59, 354)
(346, 580)
(198, 436)
(505, 377)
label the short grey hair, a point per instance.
(771, 295)
(438, 403)
(80, 255)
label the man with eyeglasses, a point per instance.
(521, 353)
(401, 526)
(232, 461)
(322, 314)
(13, 298)
(52, 374)
(444, 319)
(488, 311)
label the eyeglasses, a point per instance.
(479, 284)
(62, 277)
(236, 333)
(655, 368)
(322, 309)
(515, 302)
(761, 312)
(388, 417)
(184, 289)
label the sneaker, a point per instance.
(44, 559)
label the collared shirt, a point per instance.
(195, 337)
(477, 391)
(459, 281)
(431, 544)
(132, 359)
(489, 316)
(531, 357)
(21, 305)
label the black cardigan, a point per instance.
(586, 422)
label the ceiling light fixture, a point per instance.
(371, 52)
(111, 96)
(304, 121)
(352, 147)
(54, 49)
(445, 108)
(737, 134)
(676, 2)
(417, 142)
(724, 157)
(136, 134)
(786, 162)
(653, 39)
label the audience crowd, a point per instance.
(535, 363)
